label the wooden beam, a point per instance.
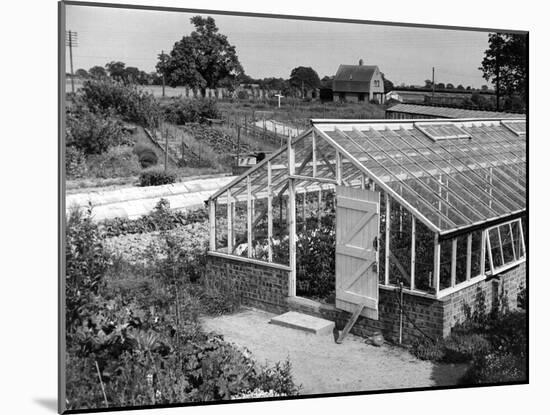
(317, 179)
(314, 152)
(362, 181)
(483, 250)
(229, 222)
(453, 263)
(304, 206)
(469, 257)
(387, 250)
(350, 322)
(413, 250)
(291, 218)
(212, 223)
(338, 168)
(437, 252)
(248, 218)
(269, 215)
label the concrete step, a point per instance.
(304, 322)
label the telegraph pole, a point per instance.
(163, 79)
(71, 40)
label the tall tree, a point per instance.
(202, 59)
(97, 72)
(304, 78)
(116, 70)
(388, 85)
(505, 64)
(81, 73)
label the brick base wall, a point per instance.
(260, 286)
(266, 287)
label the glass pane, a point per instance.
(221, 223)
(280, 230)
(507, 243)
(240, 229)
(400, 245)
(495, 248)
(424, 258)
(476, 254)
(518, 246)
(461, 258)
(382, 240)
(445, 261)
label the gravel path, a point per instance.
(322, 366)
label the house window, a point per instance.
(505, 246)
(376, 82)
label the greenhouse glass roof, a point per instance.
(451, 174)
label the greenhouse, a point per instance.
(434, 209)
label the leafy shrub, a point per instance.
(128, 101)
(75, 162)
(160, 219)
(183, 111)
(146, 155)
(522, 298)
(119, 161)
(496, 368)
(156, 176)
(86, 264)
(426, 349)
(92, 133)
(463, 348)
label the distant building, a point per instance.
(357, 83)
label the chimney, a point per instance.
(360, 62)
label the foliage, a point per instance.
(75, 162)
(92, 133)
(137, 340)
(506, 58)
(183, 111)
(522, 298)
(146, 155)
(496, 368)
(156, 176)
(304, 77)
(86, 264)
(97, 72)
(119, 161)
(201, 59)
(127, 101)
(160, 219)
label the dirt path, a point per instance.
(322, 366)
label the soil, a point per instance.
(322, 366)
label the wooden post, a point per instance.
(362, 182)
(482, 257)
(453, 263)
(387, 251)
(338, 168)
(469, 257)
(229, 222)
(437, 251)
(304, 210)
(413, 250)
(269, 214)
(291, 218)
(314, 152)
(248, 217)
(212, 209)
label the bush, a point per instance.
(496, 368)
(128, 101)
(86, 264)
(156, 176)
(160, 219)
(119, 161)
(75, 163)
(92, 133)
(183, 111)
(146, 155)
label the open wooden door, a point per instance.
(357, 229)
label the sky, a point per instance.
(272, 47)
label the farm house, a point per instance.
(414, 220)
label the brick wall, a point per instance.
(266, 287)
(260, 286)
(504, 287)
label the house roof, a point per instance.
(452, 175)
(447, 112)
(353, 78)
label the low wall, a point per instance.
(266, 287)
